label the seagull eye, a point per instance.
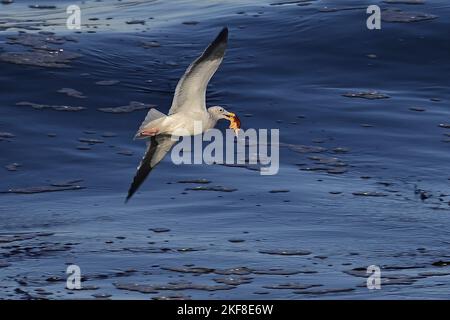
(221, 110)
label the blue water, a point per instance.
(286, 67)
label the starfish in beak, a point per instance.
(235, 123)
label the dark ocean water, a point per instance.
(384, 201)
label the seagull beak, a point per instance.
(230, 116)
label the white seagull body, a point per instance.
(187, 111)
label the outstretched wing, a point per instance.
(191, 89)
(156, 150)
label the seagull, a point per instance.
(188, 107)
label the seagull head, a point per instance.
(217, 113)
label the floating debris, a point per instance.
(423, 194)
(44, 106)
(42, 189)
(198, 181)
(66, 183)
(216, 188)
(236, 240)
(337, 9)
(401, 280)
(384, 183)
(41, 6)
(371, 95)
(172, 297)
(135, 22)
(91, 141)
(286, 252)
(188, 250)
(327, 160)
(245, 166)
(101, 295)
(233, 281)
(396, 15)
(109, 135)
(88, 288)
(280, 272)
(159, 230)
(306, 149)
(4, 264)
(132, 106)
(282, 3)
(196, 270)
(39, 58)
(7, 238)
(315, 168)
(325, 291)
(369, 194)
(444, 125)
(125, 152)
(234, 271)
(150, 44)
(170, 286)
(279, 191)
(6, 135)
(13, 166)
(54, 187)
(340, 150)
(107, 82)
(83, 148)
(441, 263)
(54, 279)
(171, 63)
(433, 274)
(402, 267)
(39, 41)
(135, 287)
(404, 1)
(417, 109)
(337, 170)
(190, 23)
(72, 93)
(292, 286)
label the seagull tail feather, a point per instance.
(152, 115)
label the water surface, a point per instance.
(384, 201)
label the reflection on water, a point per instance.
(364, 131)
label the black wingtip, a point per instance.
(131, 192)
(223, 35)
(217, 48)
(222, 38)
(128, 197)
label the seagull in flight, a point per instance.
(188, 107)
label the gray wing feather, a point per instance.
(156, 151)
(190, 92)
